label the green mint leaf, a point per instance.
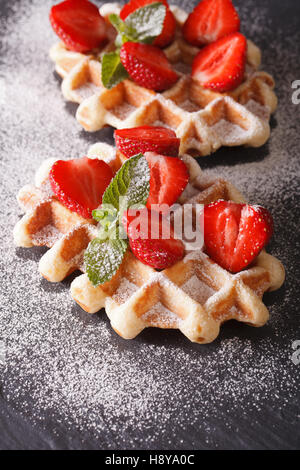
(131, 184)
(103, 259)
(125, 32)
(107, 216)
(105, 212)
(143, 25)
(130, 187)
(117, 22)
(146, 23)
(113, 71)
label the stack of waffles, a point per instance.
(195, 295)
(203, 119)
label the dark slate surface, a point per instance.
(242, 391)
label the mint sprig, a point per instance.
(131, 183)
(147, 22)
(143, 25)
(130, 187)
(113, 71)
(103, 259)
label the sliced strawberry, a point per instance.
(209, 21)
(152, 239)
(79, 184)
(234, 234)
(168, 178)
(78, 24)
(169, 27)
(148, 66)
(147, 139)
(221, 65)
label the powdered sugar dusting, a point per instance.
(197, 289)
(67, 370)
(159, 315)
(48, 235)
(124, 291)
(230, 132)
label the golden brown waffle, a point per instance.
(203, 119)
(195, 295)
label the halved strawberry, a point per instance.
(221, 65)
(146, 237)
(168, 178)
(79, 184)
(169, 27)
(148, 66)
(78, 24)
(147, 139)
(209, 21)
(234, 234)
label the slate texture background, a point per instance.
(269, 175)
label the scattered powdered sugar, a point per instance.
(197, 289)
(48, 235)
(2, 92)
(229, 131)
(263, 112)
(88, 89)
(69, 371)
(124, 291)
(123, 111)
(161, 315)
(189, 106)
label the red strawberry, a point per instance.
(79, 184)
(168, 31)
(79, 24)
(147, 242)
(148, 66)
(221, 65)
(147, 139)
(168, 178)
(210, 20)
(234, 234)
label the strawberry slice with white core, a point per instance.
(78, 24)
(147, 139)
(79, 184)
(220, 66)
(234, 234)
(151, 242)
(168, 179)
(210, 21)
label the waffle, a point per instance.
(203, 119)
(195, 295)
